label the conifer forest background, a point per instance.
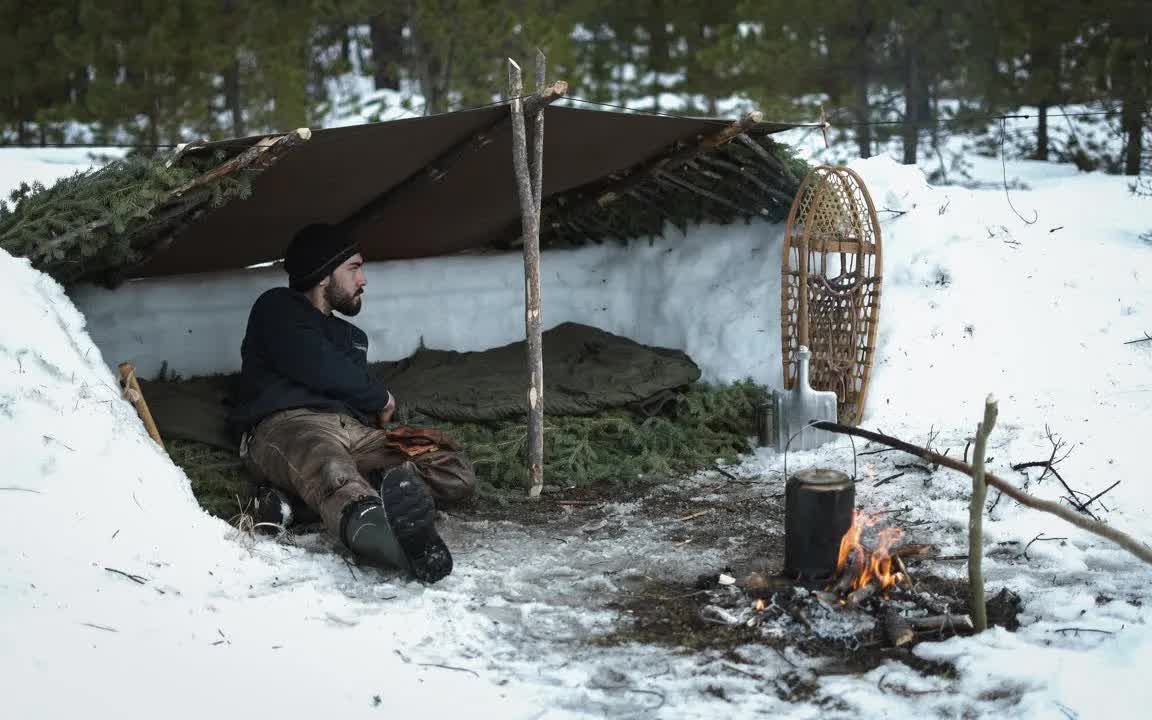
(158, 73)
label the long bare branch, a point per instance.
(1095, 527)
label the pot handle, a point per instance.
(797, 434)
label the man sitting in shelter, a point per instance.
(316, 425)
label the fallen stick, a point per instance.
(139, 579)
(886, 480)
(1041, 538)
(694, 515)
(1099, 495)
(1095, 527)
(914, 466)
(942, 622)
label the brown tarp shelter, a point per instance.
(472, 205)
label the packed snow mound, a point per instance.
(113, 581)
(79, 454)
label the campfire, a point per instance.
(853, 583)
(871, 566)
(862, 571)
(870, 589)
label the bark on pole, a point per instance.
(538, 138)
(976, 519)
(530, 221)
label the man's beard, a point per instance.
(342, 302)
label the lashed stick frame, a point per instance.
(832, 250)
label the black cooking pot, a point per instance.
(818, 511)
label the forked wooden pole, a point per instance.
(529, 188)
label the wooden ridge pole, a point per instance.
(439, 167)
(529, 186)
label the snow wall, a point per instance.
(713, 292)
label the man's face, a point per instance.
(346, 285)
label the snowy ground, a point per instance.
(975, 301)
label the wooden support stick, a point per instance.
(976, 519)
(132, 394)
(1096, 527)
(265, 148)
(775, 193)
(530, 222)
(696, 190)
(178, 203)
(763, 154)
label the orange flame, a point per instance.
(876, 564)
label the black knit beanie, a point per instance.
(314, 253)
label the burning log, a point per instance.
(857, 597)
(858, 566)
(914, 550)
(849, 571)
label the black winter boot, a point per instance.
(367, 531)
(272, 510)
(400, 532)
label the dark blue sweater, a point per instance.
(295, 356)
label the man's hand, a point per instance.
(385, 415)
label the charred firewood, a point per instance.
(914, 550)
(857, 597)
(853, 566)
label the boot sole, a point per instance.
(412, 514)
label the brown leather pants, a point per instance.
(323, 457)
